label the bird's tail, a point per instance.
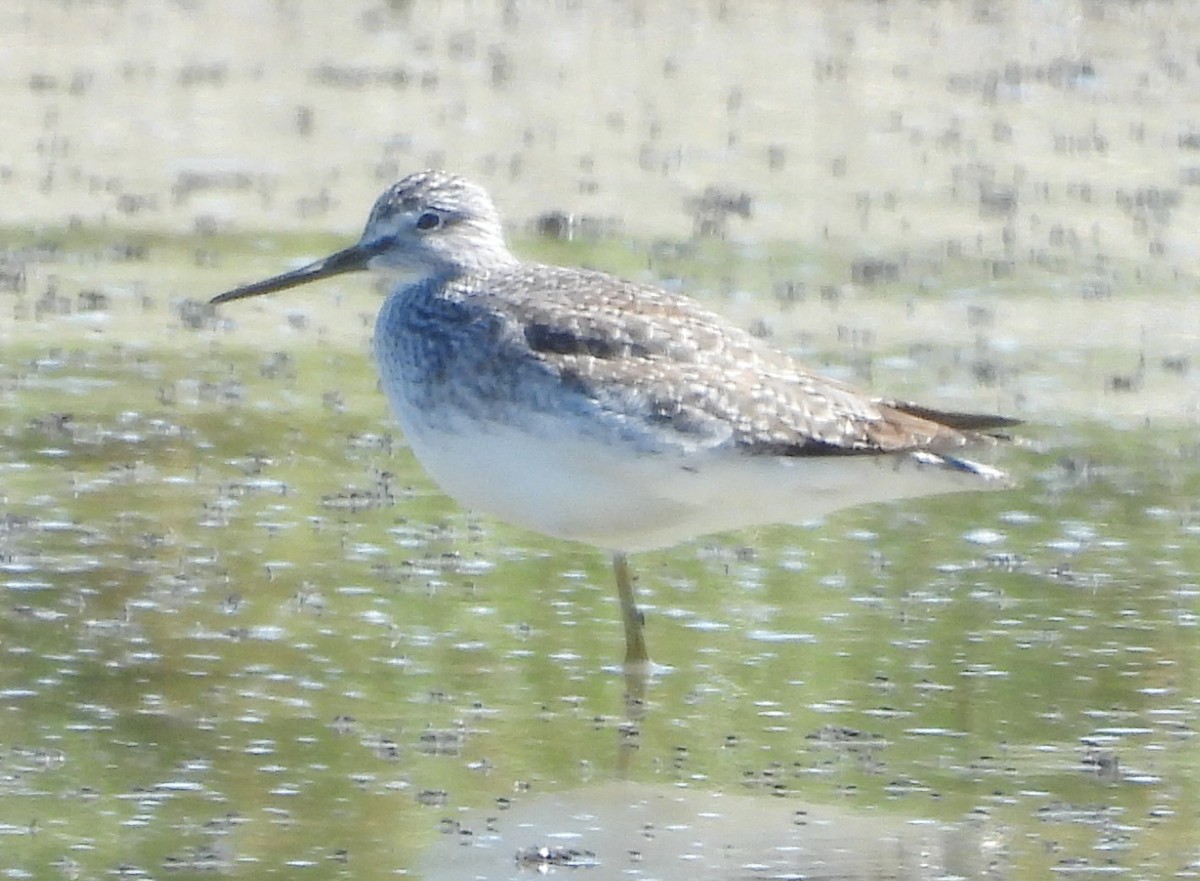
(964, 466)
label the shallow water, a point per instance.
(240, 632)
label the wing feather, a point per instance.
(658, 359)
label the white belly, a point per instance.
(614, 498)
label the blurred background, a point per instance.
(241, 632)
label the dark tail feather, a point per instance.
(982, 423)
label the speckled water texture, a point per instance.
(240, 631)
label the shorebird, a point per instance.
(618, 414)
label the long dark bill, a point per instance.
(352, 259)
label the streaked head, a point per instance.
(429, 225)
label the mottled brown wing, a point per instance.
(661, 360)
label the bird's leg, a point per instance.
(635, 640)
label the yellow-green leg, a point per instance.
(635, 639)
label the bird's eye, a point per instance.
(429, 220)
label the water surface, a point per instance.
(240, 632)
